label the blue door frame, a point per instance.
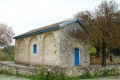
(76, 57)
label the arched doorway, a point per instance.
(76, 57)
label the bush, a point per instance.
(115, 51)
(86, 75)
(9, 50)
(50, 76)
(2, 55)
(7, 53)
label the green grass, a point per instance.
(50, 77)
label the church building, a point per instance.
(62, 44)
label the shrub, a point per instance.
(7, 53)
(2, 55)
(45, 75)
(86, 75)
(9, 50)
(115, 51)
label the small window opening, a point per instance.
(34, 48)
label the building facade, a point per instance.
(62, 44)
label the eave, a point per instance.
(37, 32)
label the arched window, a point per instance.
(34, 48)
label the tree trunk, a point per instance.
(97, 51)
(103, 54)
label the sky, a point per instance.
(25, 15)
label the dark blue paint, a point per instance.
(34, 48)
(76, 57)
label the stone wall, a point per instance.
(47, 49)
(93, 69)
(34, 58)
(12, 68)
(68, 43)
(50, 50)
(71, 71)
(54, 48)
(116, 60)
(110, 59)
(20, 50)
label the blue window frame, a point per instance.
(34, 48)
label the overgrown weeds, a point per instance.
(46, 75)
(102, 73)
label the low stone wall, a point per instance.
(93, 69)
(111, 59)
(71, 71)
(116, 60)
(12, 68)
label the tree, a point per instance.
(6, 34)
(103, 24)
(108, 25)
(92, 24)
(9, 53)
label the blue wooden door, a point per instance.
(76, 57)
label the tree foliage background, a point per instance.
(6, 37)
(7, 53)
(6, 34)
(104, 26)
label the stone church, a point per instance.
(62, 44)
